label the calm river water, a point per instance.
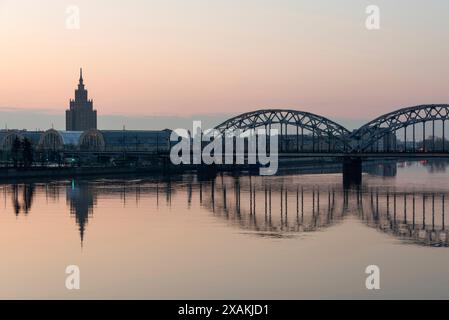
(291, 236)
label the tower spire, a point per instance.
(81, 75)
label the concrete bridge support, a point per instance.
(352, 172)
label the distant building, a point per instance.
(81, 116)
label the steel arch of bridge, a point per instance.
(369, 134)
(320, 127)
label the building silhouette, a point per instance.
(81, 116)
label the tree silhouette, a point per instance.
(15, 151)
(27, 153)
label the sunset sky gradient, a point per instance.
(183, 58)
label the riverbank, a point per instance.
(299, 166)
(66, 172)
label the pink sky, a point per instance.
(173, 58)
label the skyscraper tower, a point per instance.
(80, 116)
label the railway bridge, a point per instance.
(413, 133)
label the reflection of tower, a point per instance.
(81, 201)
(81, 116)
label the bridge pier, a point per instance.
(352, 171)
(206, 172)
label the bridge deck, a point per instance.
(364, 155)
(381, 155)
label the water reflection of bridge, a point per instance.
(282, 206)
(416, 217)
(271, 207)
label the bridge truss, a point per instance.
(418, 129)
(408, 123)
(298, 131)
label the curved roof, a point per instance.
(33, 136)
(63, 138)
(70, 137)
(4, 133)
